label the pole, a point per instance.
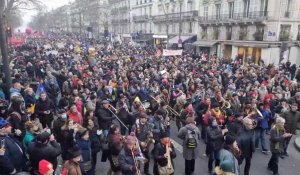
(4, 52)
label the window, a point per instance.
(190, 27)
(204, 33)
(231, 9)
(284, 34)
(228, 32)
(206, 12)
(298, 35)
(137, 2)
(190, 6)
(246, 7)
(259, 33)
(173, 28)
(159, 28)
(243, 33)
(218, 11)
(216, 33)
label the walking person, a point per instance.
(246, 143)
(277, 139)
(191, 136)
(291, 118)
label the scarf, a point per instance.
(278, 130)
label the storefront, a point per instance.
(250, 51)
(159, 40)
(206, 47)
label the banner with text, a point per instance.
(172, 52)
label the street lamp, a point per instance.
(180, 25)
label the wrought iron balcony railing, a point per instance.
(176, 16)
(141, 18)
(235, 17)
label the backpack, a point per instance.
(191, 140)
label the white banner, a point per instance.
(172, 52)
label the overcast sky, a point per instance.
(50, 4)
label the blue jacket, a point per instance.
(14, 153)
(85, 147)
(263, 121)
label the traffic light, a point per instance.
(8, 32)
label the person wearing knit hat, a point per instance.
(45, 167)
(229, 152)
(160, 153)
(128, 155)
(71, 166)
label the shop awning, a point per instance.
(204, 43)
(175, 39)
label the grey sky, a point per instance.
(50, 4)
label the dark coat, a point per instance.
(276, 138)
(235, 127)
(14, 154)
(17, 121)
(246, 142)
(126, 162)
(291, 119)
(159, 152)
(95, 140)
(105, 118)
(42, 106)
(85, 148)
(67, 141)
(215, 138)
(39, 151)
(57, 124)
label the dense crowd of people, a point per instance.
(120, 100)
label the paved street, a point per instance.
(288, 166)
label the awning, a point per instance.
(175, 39)
(204, 43)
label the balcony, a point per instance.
(119, 21)
(190, 15)
(141, 18)
(241, 18)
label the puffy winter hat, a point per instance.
(45, 167)
(229, 139)
(3, 122)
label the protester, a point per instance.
(45, 147)
(71, 166)
(278, 136)
(190, 135)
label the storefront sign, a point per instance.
(172, 52)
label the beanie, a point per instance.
(229, 140)
(45, 167)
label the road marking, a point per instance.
(177, 146)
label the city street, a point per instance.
(287, 166)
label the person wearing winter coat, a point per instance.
(58, 124)
(75, 115)
(115, 144)
(44, 110)
(230, 152)
(126, 159)
(68, 131)
(104, 116)
(93, 129)
(45, 147)
(261, 129)
(246, 143)
(17, 118)
(84, 144)
(190, 154)
(12, 153)
(31, 132)
(215, 140)
(160, 153)
(71, 166)
(278, 135)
